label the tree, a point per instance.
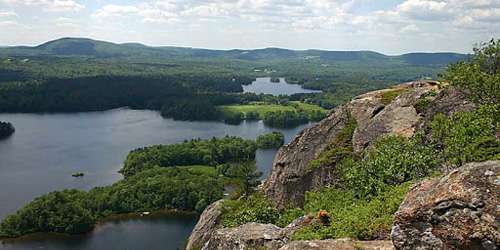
(480, 76)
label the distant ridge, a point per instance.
(86, 47)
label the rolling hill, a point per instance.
(84, 47)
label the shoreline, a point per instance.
(162, 213)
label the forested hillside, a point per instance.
(76, 74)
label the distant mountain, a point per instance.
(84, 47)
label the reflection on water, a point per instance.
(47, 148)
(134, 233)
(264, 85)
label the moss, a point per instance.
(339, 149)
(389, 96)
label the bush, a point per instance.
(480, 76)
(254, 208)
(363, 219)
(467, 136)
(392, 161)
(270, 140)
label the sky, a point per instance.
(387, 26)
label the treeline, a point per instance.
(74, 211)
(106, 92)
(270, 140)
(194, 152)
(6, 129)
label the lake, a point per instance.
(47, 148)
(263, 85)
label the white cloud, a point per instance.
(48, 5)
(7, 14)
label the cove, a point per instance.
(47, 148)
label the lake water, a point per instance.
(264, 85)
(47, 148)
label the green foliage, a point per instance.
(468, 136)
(388, 96)
(277, 111)
(288, 216)
(352, 217)
(253, 208)
(422, 105)
(194, 109)
(62, 212)
(233, 117)
(246, 173)
(72, 211)
(339, 149)
(6, 129)
(194, 152)
(392, 161)
(284, 119)
(270, 140)
(480, 76)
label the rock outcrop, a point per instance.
(291, 175)
(340, 244)
(248, 236)
(458, 211)
(206, 226)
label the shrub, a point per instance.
(467, 136)
(392, 161)
(363, 219)
(253, 208)
(480, 76)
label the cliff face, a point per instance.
(458, 209)
(377, 113)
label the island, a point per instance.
(275, 79)
(183, 177)
(6, 129)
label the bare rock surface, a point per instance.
(338, 244)
(457, 211)
(291, 175)
(206, 226)
(248, 236)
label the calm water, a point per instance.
(46, 149)
(264, 85)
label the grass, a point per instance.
(262, 108)
(389, 96)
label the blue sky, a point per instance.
(388, 26)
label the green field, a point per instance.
(263, 108)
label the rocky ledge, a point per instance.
(377, 113)
(458, 211)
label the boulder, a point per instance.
(248, 236)
(339, 244)
(457, 211)
(206, 226)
